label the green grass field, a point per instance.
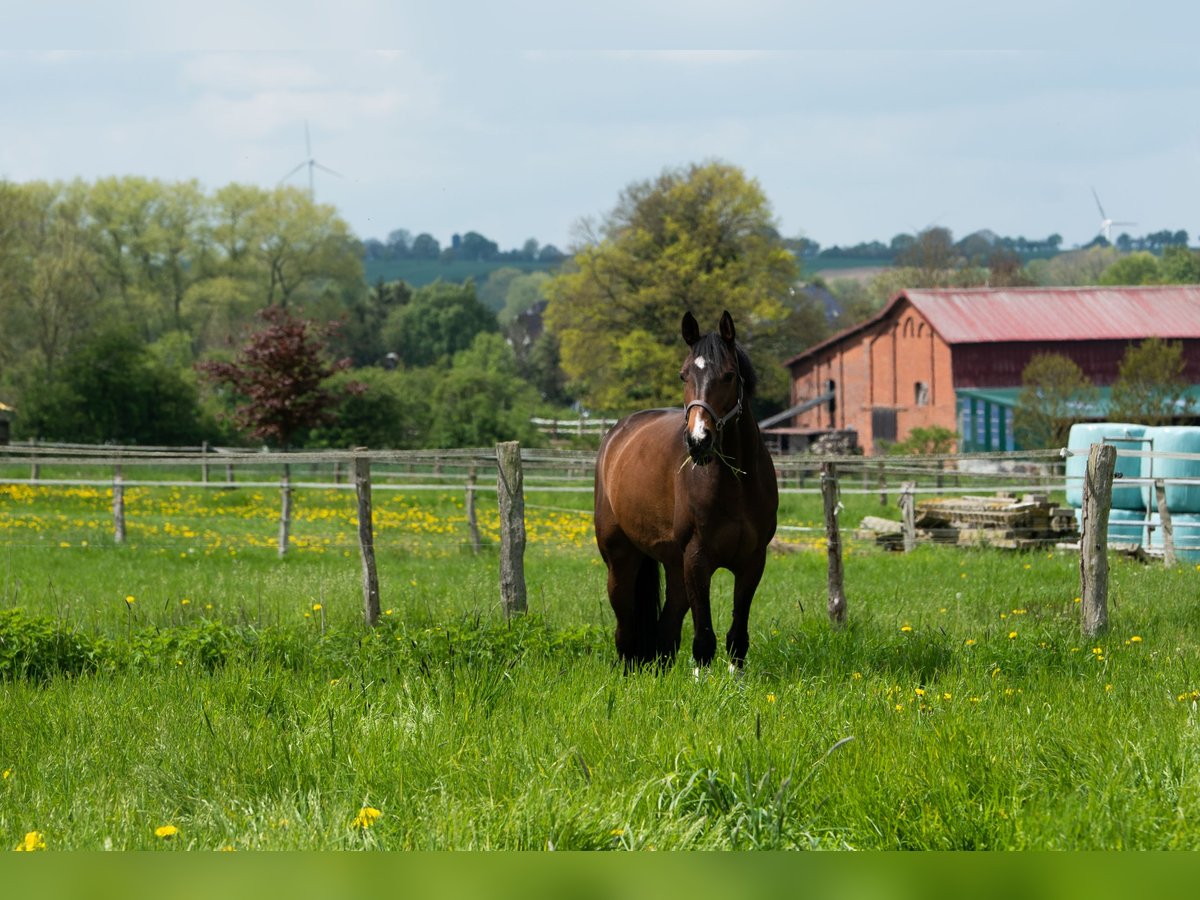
(190, 690)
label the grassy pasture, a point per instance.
(191, 679)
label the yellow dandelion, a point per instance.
(7, 772)
(946, 695)
(166, 832)
(906, 628)
(185, 602)
(1136, 639)
(1108, 687)
(857, 676)
(970, 642)
(1080, 599)
(34, 840)
(920, 692)
(1012, 635)
(617, 832)
(899, 707)
(366, 817)
(770, 698)
(129, 599)
(316, 607)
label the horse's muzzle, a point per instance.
(700, 449)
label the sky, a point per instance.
(859, 119)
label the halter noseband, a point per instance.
(719, 422)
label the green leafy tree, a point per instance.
(380, 409)
(1180, 265)
(52, 284)
(935, 440)
(1136, 268)
(481, 399)
(112, 389)
(699, 238)
(1151, 388)
(523, 292)
(1054, 395)
(440, 320)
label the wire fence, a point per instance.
(558, 486)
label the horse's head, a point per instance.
(713, 385)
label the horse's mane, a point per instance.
(712, 346)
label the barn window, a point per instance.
(921, 393)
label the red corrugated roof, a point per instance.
(984, 315)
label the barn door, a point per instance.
(883, 425)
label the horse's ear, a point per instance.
(727, 330)
(690, 328)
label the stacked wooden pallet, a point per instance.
(1004, 521)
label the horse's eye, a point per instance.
(683, 376)
(727, 377)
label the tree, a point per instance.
(113, 389)
(481, 399)
(700, 238)
(425, 246)
(1179, 265)
(936, 440)
(440, 320)
(1151, 388)
(279, 378)
(931, 256)
(393, 410)
(1136, 268)
(1054, 395)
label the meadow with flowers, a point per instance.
(189, 689)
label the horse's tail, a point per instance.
(647, 592)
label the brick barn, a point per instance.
(954, 357)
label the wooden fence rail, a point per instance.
(518, 469)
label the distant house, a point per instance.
(954, 358)
(6, 414)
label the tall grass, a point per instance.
(959, 710)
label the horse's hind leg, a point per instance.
(633, 594)
(745, 583)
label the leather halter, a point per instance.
(719, 422)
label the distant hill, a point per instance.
(420, 272)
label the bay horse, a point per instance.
(689, 490)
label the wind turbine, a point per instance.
(1106, 223)
(311, 164)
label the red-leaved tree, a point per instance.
(279, 377)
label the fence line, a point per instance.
(574, 467)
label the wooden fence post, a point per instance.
(118, 506)
(285, 509)
(35, 470)
(833, 545)
(204, 462)
(366, 539)
(908, 525)
(472, 517)
(1164, 519)
(882, 483)
(1093, 541)
(510, 483)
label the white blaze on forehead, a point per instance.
(701, 362)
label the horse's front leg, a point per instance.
(697, 578)
(745, 583)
